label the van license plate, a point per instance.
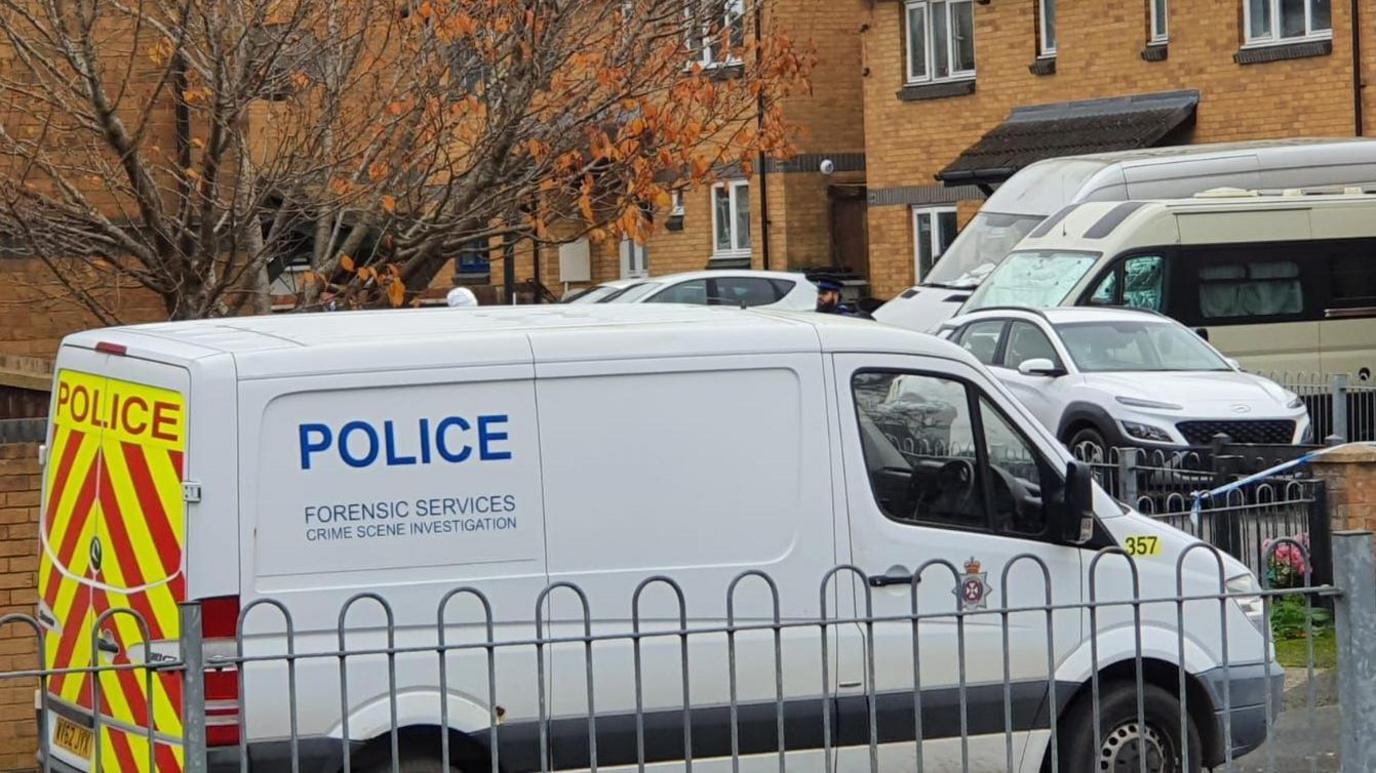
(73, 738)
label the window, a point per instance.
(731, 219)
(1250, 289)
(1160, 21)
(937, 452)
(1046, 20)
(1033, 278)
(473, 260)
(693, 291)
(1352, 280)
(741, 291)
(634, 259)
(941, 39)
(1026, 342)
(1143, 282)
(982, 339)
(933, 231)
(715, 29)
(1134, 345)
(1282, 21)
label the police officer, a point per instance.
(829, 299)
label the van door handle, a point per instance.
(885, 580)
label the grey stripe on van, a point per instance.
(519, 742)
(1044, 227)
(1112, 220)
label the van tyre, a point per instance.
(1121, 741)
(1088, 445)
(413, 763)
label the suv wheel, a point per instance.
(1088, 445)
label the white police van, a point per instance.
(307, 459)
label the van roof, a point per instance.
(1212, 148)
(1217, 217)
(298, 344)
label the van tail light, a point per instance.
(219, 624)
(107, 347)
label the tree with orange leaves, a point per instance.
(191, 147)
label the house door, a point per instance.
(849, 230)
(634, 263)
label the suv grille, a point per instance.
(1268, 432)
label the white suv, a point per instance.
(1109, 378)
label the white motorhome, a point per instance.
(307, 459)
(1041, 189)
(1280, 282)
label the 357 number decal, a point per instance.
(1145, 545)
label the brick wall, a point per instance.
(19, 485)
(1099, 55)
(36, 311)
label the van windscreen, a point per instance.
(978, 248)
(1032, 278)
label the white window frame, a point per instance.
(929, 73)
(1043, 50)
(702, 47)
(1161, 21)
(1275, 39)
(736, 250)
(934, 212)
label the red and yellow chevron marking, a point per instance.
(113, 519)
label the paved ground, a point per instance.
(1298, 749)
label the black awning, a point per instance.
(1072, 128)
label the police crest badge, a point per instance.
(972, 588)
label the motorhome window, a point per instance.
(1033, 278)
(1251, 289)
(918, 437)
(978, 248)
(1352, 280)
(1026, 342)
(982, 339)
(1133, 345)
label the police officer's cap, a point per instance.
(828, 286)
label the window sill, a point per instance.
(917, 92)
(723, 71)
(1154, 52)
(729, 260)
(1044, 65)
(1279, 52)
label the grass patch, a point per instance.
(1294, 653)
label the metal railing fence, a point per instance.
(879, 681)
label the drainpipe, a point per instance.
(759, 122)
(1356, 70)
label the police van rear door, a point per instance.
(111, 567)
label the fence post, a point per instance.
(1354, 568)
(1320, 528)
(1227, 527)
(1127, 478)
(1339, 395)
(193, 688)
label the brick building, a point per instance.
(1246, 69)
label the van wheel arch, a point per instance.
(422, 743)
(1165, 675)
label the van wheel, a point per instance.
(1088, 445)
(1124, 740)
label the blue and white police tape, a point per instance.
(1200, 496)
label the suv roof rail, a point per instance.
(1027, 309)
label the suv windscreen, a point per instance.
(1032, 278)
(978, 248)
(1124, 345)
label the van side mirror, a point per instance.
(1202, 332)
(1072, 518)
(1040, 366)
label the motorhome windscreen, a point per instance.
(1032, 278)
(979, 247)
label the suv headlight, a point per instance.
(1250, 605)
(1146, 432)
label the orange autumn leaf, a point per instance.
(396, 292)
(389, 204)
(346, 263)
